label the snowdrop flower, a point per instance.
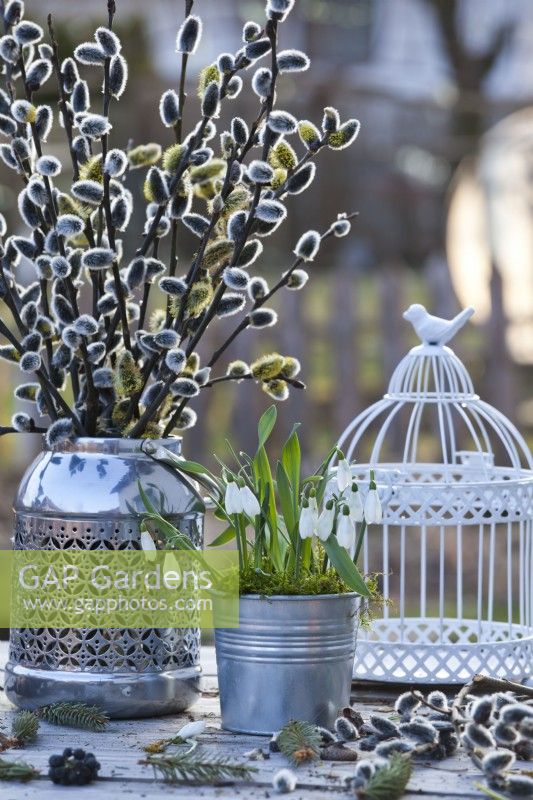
(192, 729)
(308, 520)
(372, 508)
(232, 499)
(147, 543)
(312, 501)
(326, 521)
(355, 504)
(250, 503)
(346, 529)
(344, 474)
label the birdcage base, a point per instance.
(442, 651)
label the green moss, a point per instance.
(255, 582)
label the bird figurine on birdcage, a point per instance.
(454, 551)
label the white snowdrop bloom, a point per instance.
(250, 503)
(308, 521)
(372, 508)
(232, 499)
(192, 729)
(344, 474)
(147, 543)
(346, 530)
(355, 504)
(325, 521)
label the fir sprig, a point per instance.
(17, 771)
(23, 729)
(390, 781)
(299, 741)
(196, 767)
(75, 715)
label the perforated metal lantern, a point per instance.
(455, 547)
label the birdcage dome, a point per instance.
(454, 553)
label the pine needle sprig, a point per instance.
(17, 771)
(74, 715)
(25, 727)
(390, 781)
(197, 768)
(299, 741)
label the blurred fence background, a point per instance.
(441, 176)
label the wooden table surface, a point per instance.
(120, 748)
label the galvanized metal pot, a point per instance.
(84, 495)
(291, 658)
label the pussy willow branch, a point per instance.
(151, 410)
(258, 303)
(92, 397)
(272, 32)
(183, 72)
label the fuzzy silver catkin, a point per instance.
(61, 267)
(27, 391)
(262, 82)
(189, 35)
(154, 268)
(96, 352)
(116, 163)
(251, 30)
(80, 99)
(184, 387)
(86, 325)
(236, 225)
(98, 258)
(387, 749)
(94, 126)
(292, 61)
(257, 49)
(24, 246)
(279, 9)
(69, 225)
(59, 431)
(196, 223)
(235, 278)
(187, 419)
(69, 74)
(341, 227)
(90, 54)
(263, 318)
(30, 362)
(135, 273)
(257, 288)
(71, 338)
(103, 378)
(27, 32)
(520, 785)
(118, 76)
(345, 730)
(176, 287)
(158, 186)
(271, 211)
(284, 781)
(383, 726)
(88, 191)
(38, 74)
(260, 172)
(37, 192)
(249, 253)
(308, 245)
(231, 303)
(14, 11)
(80, 146)
(175, 360)
(239, 131)
(211, 101)
(238, 369)
(234, 87)
(420, 730)
(166, 339)
(301, 180)
(514, 713)
(108, 41)
(282, 122)
(169, 108)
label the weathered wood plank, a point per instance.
(119, 750)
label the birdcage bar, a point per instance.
(457, 528)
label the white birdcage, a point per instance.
(455, 550)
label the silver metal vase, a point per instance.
(291, 658)
(84, 495)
